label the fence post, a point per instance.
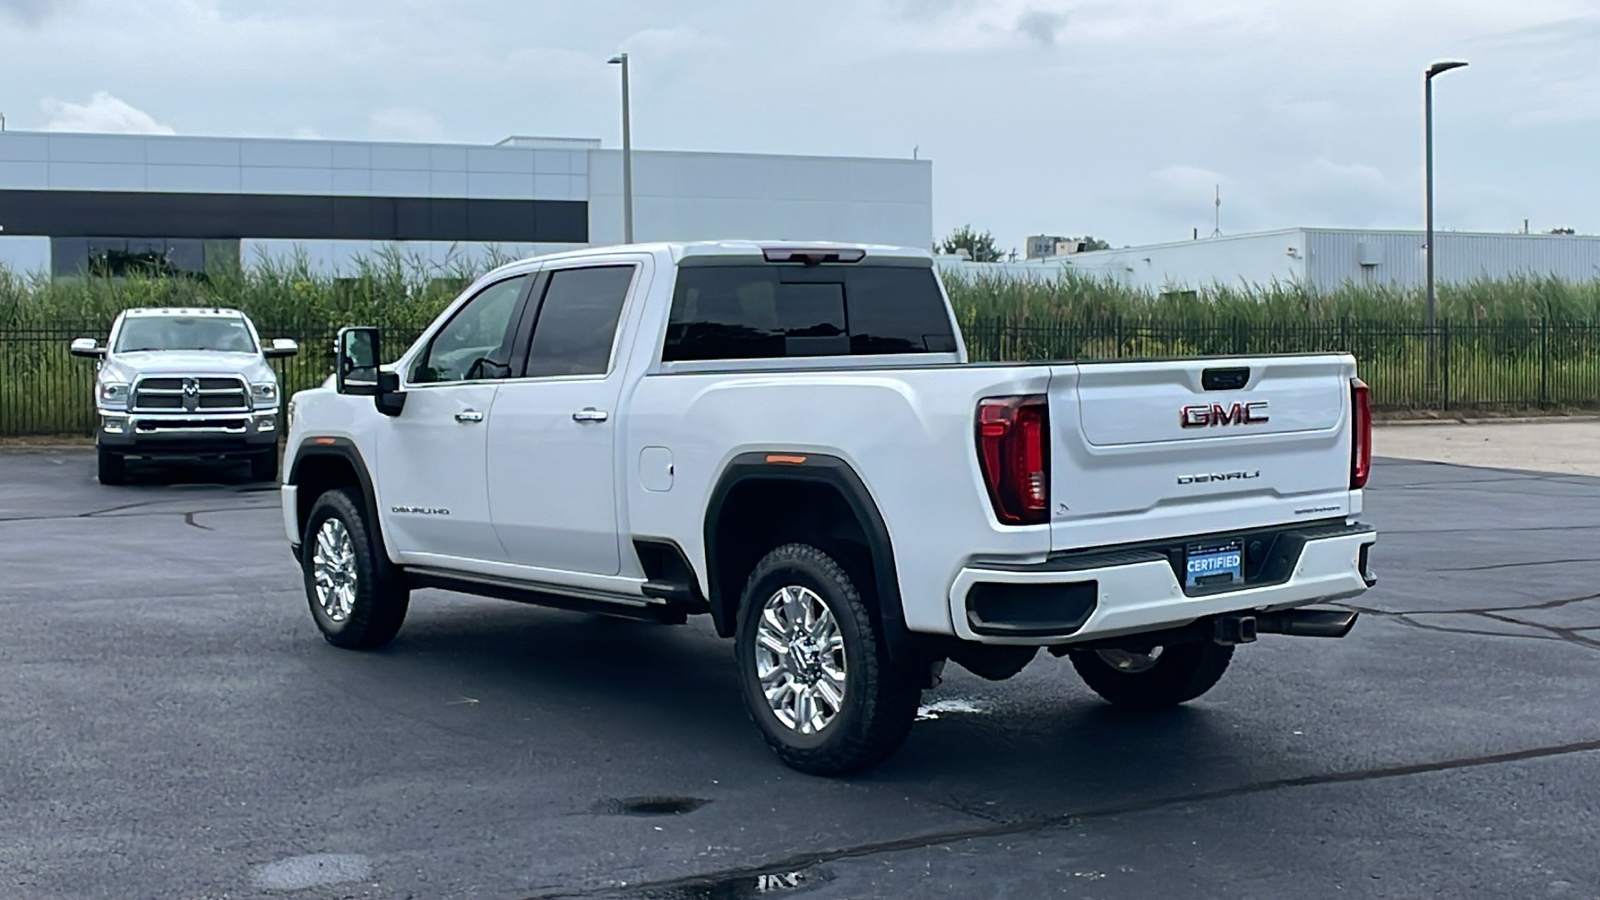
(994, 343)
(1544, 363)
(1444, 346)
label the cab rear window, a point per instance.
(780, 311)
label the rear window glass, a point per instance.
(778, 311)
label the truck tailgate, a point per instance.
(1155, 450)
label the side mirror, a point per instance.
(356, 366)
(280, 348)
(86, 347)
(356, 370)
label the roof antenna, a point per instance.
(914, 151)
(1216, 230)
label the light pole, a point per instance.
(1438, 68)
(621, 59)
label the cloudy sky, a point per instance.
(1058, 116)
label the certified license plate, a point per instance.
(1212, 564)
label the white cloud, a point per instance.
(31, 12)
(1042, 25)
(1113, 117)
(103, 113)
(661, 42)
(404, 123)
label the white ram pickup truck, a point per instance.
(178, 383)
(790, 439)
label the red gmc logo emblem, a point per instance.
(1203, 415)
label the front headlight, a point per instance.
(264, 394)
(114, 395)
(288, 412)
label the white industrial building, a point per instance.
(69, 202)
(1322, 258)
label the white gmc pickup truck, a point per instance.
(791, 440)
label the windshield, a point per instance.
(221, 333)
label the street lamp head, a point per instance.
(621, 58)
(1439, 68)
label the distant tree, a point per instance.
(1090, 242)
(979, 247)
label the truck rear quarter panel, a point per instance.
(908, 433)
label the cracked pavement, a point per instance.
(175, 728)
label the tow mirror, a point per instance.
(280, 347)
(357, 372)
(357, 365)
(86, 347)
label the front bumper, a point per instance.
(194, 435)
(1080, 597)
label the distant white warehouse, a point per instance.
(1326, 258)
(76, 202)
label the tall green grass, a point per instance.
(391, 288)
(1076, 297)
(404, 291)
(1509, 344)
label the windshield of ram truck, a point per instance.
(743, 311)
(226, 334)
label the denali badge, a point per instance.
(420, 510)
(1209, 477)
(1205, 414)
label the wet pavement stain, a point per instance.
(740, 887)
(652, 806)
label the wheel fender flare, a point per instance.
(346, 450)
(816, 468)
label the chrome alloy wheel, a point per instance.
(333, 567)
(800, 659)
(1132, 663)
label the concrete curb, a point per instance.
(1509, 420)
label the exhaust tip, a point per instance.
(1308, 622)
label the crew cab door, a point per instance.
(431, 481)
(552, 432)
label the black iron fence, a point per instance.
(1523, 366)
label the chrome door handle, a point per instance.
(468, 416)
(590, 414)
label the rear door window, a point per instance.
(577, 320)
(772, 311)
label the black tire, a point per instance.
(1181, 673)
(879, 699)
(380, 596)
(112, 467)
(264, 466)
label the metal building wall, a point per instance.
(678, 195)
(1395, 258)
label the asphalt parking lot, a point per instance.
(174, 727)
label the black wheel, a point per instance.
(356, 597)
(264, 466)
(816, 676)
(113, 468)
(1166, 676)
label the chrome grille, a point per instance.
(210, 393)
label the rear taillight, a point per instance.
(1014, 454)
(1361, 433)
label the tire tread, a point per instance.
(381, 597)
(886, 705)
(1182, 673)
